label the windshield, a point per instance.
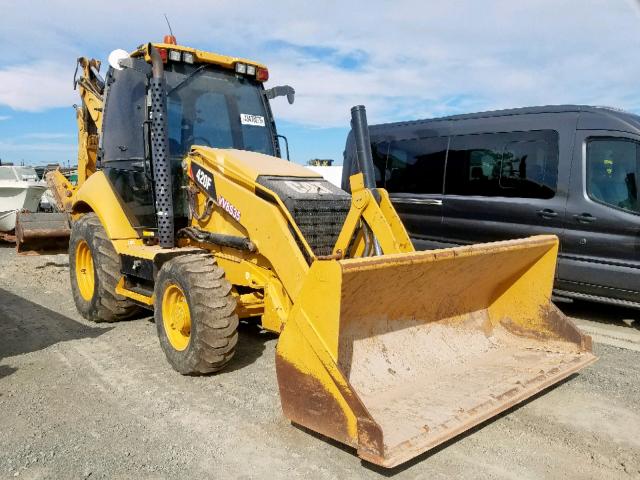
(6, 173)
(26, 173)
(215, 108)
(18, 173)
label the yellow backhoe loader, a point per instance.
(185, 207)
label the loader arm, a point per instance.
(381, 219)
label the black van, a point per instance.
(573, 171)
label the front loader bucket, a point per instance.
(396, 354)
(38, 233)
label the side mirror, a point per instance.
(281, 91)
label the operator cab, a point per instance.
(212, 100)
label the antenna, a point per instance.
(168, 24)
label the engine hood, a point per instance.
(248, 166)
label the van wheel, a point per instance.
(94, 267)
(195, 314)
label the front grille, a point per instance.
(319, 216)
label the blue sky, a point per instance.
(403, 59)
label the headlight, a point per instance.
(241, 68)
(174, 55)
(187, 57)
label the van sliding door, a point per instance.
(412, 171)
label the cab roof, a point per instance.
(200, 56)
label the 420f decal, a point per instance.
(204, 179)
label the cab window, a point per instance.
(613, 168)
(212, 129)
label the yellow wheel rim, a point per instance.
(176, 317)
(85, 275)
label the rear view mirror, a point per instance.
(281, 91)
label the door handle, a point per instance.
(417, 201)
(547, 213)
(585, 218)
(138, 166)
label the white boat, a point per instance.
(20, 189)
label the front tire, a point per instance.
(195, 314)
(94, 267)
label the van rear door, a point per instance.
(602, 232)
(504, 185)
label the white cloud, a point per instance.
(423, 58)
(4, 117)
(36, 86)
(7, 146)
(48, 136)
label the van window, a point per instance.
(379, 151)
(613, 169)
(415, 165)
(516, 164)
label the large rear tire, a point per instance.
(94, 267)
(195, 314)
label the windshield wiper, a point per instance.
(186, 79)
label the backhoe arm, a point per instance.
(88, 115)
(90, 86)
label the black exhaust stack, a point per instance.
(160, 152)
(360, 130)
(364, 157)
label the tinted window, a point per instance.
(379, 151)
(518, 164)
(411, 166)
(613, 168)
(124, 115)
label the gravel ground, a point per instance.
(80, 400)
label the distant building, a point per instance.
(320, 162)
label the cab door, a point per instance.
(123, 157)
(602, 227)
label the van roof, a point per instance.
(604, 118)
